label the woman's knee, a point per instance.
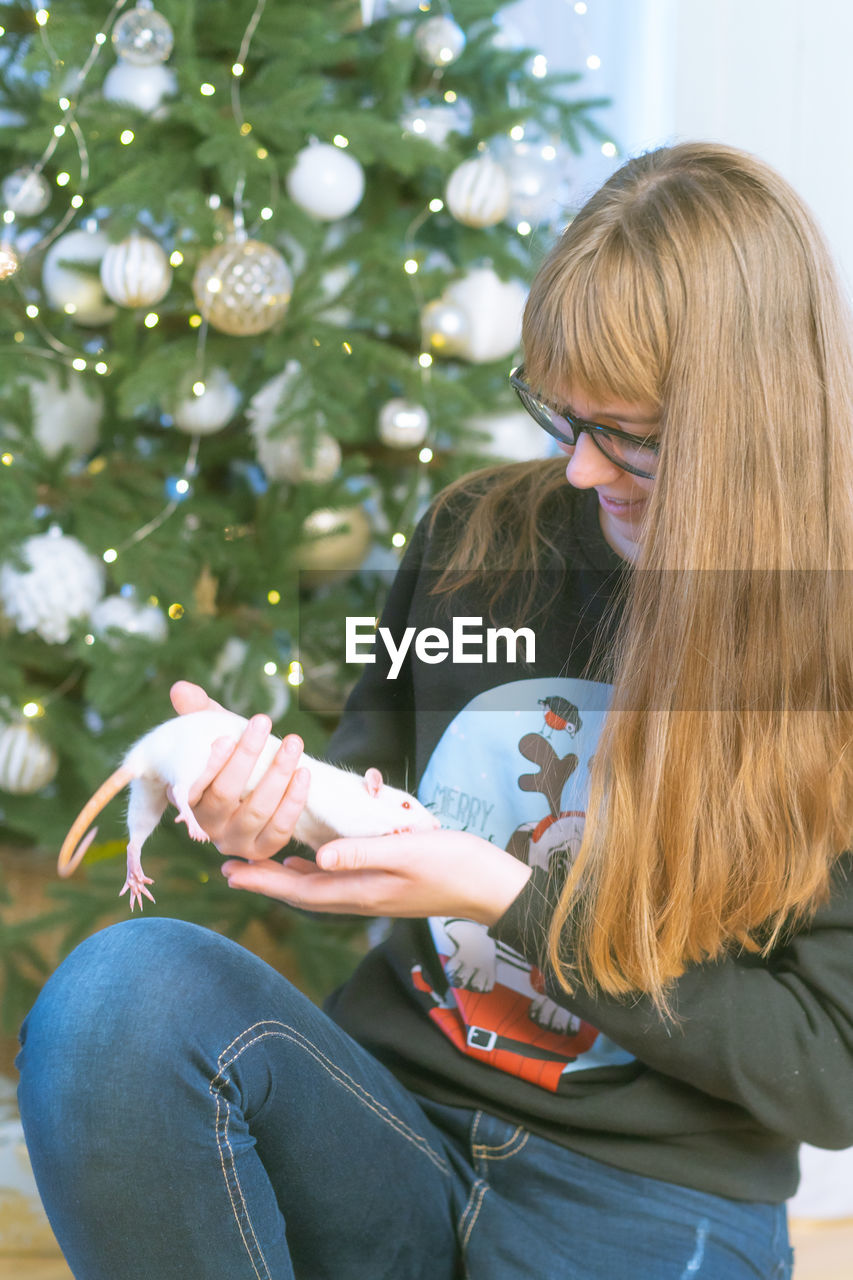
(117, 996)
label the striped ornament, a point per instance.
(27, 763)
(479, 192)
(136, 272)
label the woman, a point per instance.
(619, 989)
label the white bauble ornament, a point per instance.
(63, 582)
(478, 192)
(334, 544)
(136, 272)
(79, 294)
(142, 87)
(283, 457)
(27, 762)
(120, 613)
(493, 308)
(277, 400)
(229, 680)
(26, 193)
(212, 410)
(65, 416)
(444, 326)
(514, 436)
(242, 287)
(325, 181)
(403, 424)
(143, 37)
(439, 41)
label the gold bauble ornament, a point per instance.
(242, 287)
(334, 544)
(9, 261)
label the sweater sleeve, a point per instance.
(773, 1035)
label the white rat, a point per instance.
(175, 753)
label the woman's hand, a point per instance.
(416, 874)
(261, 824)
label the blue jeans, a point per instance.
(190, 1114)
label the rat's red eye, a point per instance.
(406, 804)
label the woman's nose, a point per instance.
(588, 466)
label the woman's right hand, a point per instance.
(258, 825)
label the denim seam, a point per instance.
(283, 1031)
(472, 1208)
(509, 1148)
(290, 1033)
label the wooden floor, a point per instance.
(824, 1251)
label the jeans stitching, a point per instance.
(511, 1147)
(286, 1032)
(219, 1142)
(337, 1073)
(478, 1195)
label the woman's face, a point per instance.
(622, 497)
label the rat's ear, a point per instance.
(373, 782)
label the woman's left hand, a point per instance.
(418, 874)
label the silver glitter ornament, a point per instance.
(143, 36)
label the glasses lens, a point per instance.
(626, 454)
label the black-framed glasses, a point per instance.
(636, 454)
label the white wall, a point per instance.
(771, 76)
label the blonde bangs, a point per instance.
(594, 322)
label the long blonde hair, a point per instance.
(721, 791)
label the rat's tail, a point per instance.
(70, 856)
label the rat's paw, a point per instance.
(136, 884)
(195, 830)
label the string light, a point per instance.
(58, 130)
(110, 556)
(425, 455)
(79, 364)
(608, 149)
(42, 16)
(207, 89)
(8, 459)
(517, 132)
(436, 205)
(32, 311)
(295, 674)
(593, 62)
(410, 266)
(425, 359)
(126, 137)
(101, 368)
(63, 179)
(194, 321)
(340, 141)
(175, 611)
(237, 69)
(198, 388)
(266, 213)
(524, 228)
(32, 710)
(398, 540)
(270, 668)
(76, 201)
(151, 320)
(274, 597)
(176, 257)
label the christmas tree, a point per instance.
(263, 267)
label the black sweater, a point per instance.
(760, 1055)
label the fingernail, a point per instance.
(292, 746)
(329, 859)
